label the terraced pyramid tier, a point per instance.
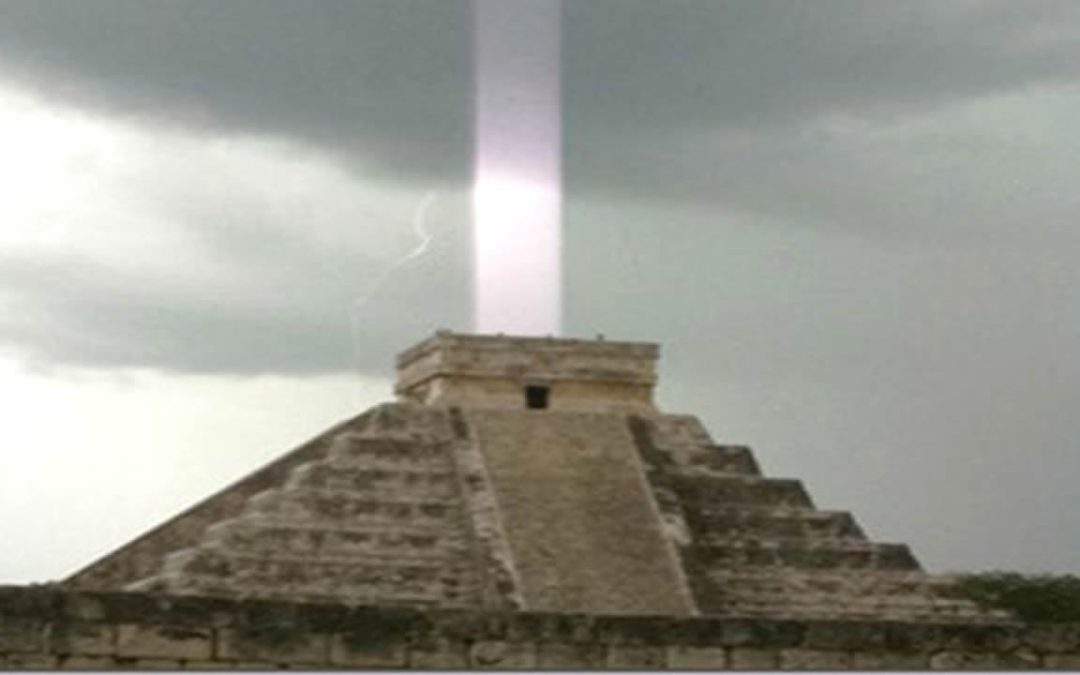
(757, 546)
(382, 517)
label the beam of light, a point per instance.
(517, 203)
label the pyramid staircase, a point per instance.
(379, 520)
(755, 546)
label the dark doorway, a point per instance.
(536, 397)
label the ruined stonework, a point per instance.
(536, 477)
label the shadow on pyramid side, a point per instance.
(530, 474)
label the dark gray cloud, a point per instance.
(638, 67)
(287, 305)
(799, 110)
(380, 82)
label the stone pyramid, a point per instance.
(530, 474)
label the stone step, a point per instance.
(348, 447)
(302, 538)
(340, 505)
(327, 594)
(710, 525)
(680, 432)
(422, 529)
(842, 608)
(751, 581)
(725, 459)
(831, 594)
(370, 578)
(710, 491)
(406, 421)
(440, 483)
(804, 554)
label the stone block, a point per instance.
(814, 659)
(1053, 637)
(565, 656)
(294, 647)
(88, 639)
(742, 658)
(212, 665)
(630, 657)
(761, 633)
(964, 661)
(840, 635)
(80, 662)
(696, 658)
(627, 630)
(82, 607)
(157, 664)
(439, 654)
(1023, 658)
(34, 661)
(163, 642)
(913, 638)
(889, 661)
(502, 655)
(347, 652)
(979, 638)
(21, 636)
(1061, 661)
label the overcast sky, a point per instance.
(852, 227)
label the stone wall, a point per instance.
(484, 371)
(43, 627)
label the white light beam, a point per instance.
(517, 201)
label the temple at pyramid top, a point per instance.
(496, 371)
(531, 474)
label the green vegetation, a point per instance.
(1035, 598)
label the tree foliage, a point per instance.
(1036, 598)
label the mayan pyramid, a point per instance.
(530, 474)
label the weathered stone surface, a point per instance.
(483, 371)
(1062, 661)
(965, 661)
(814, 659)
(212, 665)
(1022, 658)
(134, 640)
(885, 660)
(978, 638)
(565, 656)
(274, 646)
(502, 655)
(578, 515)
(42, 662)
(474, 639)
(153, 664)
(696, 658)
(746, 658)
(22, 635)
(500, 584)
(631, 657)
(741, 632)
(835, 635)
(1053, 637)
(348, 652)
(91, 639)
(439, 654)
(83, 607)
